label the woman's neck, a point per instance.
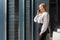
(43, 11)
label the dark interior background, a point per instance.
(59, 13)
(53, 10)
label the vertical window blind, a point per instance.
(12, 20)
(11, 16)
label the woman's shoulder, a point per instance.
(45, 13)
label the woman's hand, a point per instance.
(40, 34)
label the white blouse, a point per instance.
(42, 18)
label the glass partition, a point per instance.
(2, 20)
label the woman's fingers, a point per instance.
(40, 34)
(37, 11)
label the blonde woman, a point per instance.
(42, 20)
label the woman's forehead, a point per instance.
(40, 5)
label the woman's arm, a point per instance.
(35, 18)
(45, 23)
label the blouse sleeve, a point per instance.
(35, 18)
(45, 23)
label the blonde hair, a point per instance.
(44, 6)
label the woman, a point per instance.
(42, 20)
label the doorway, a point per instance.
(35, 7)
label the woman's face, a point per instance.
(41, 8)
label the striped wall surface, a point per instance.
(27, 19)
(11, 19)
